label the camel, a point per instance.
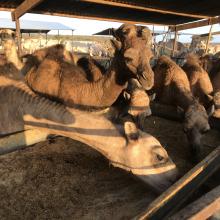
(215, 79)
(172, 87)
(69, 83)
(122, 144)
(10, 64)
(200, 83)
(212, 65)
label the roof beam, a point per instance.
(24, 7)
(207, 34)
(100, 18)
(136, 6)
(201, 23)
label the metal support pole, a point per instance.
(46, 39)
(208, 40)
(152, 37)
(58, 32)
(18, 35)
(72, 41)
(174, 43)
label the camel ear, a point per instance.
(126, 95)
(131, 131)
(116, 44)
(152, 97)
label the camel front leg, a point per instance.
(21, 140)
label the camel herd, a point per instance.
(55, 91)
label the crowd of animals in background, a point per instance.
(71, 95)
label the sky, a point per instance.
(89, 27)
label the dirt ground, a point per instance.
(65, 179)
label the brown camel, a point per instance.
(123, 144)
(200, 83)
(172, 87)
(70, 85)
(215, 79)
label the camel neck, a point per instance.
(93, 130)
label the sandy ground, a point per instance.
(65, 179)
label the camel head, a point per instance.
(6, 34)
(195, 124)
(144, 157)
(134, 42)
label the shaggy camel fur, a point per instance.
(200, 83)
(124, 145)
(172, 87)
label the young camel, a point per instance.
(124, 145)
(172, 87)
(200, 83)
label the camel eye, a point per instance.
(159, 157)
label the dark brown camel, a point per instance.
(172, 87)
(200, 83)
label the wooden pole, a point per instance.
(208, 40)
(174, 43)
(18, 35)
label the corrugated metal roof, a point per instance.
(30, 26)
(127, 10)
